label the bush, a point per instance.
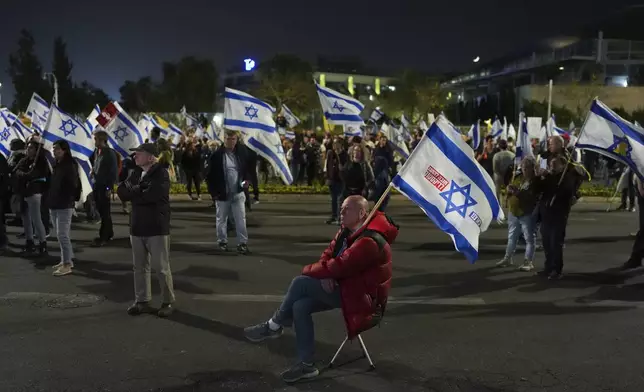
(587, 189)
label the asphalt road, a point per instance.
(451, 325)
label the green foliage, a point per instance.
(191, 82)
(287, 80)
(416, 95)
(26, 72)
(587, 189)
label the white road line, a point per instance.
(299, 216)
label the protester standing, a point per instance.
(227, 179)
(32, 173)
(148, 189)
(191, 165)
(105, 174)
(65, 190)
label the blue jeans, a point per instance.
(32, 219)
(516, 225)
(335, 189)
(63, 223)
(304, 297)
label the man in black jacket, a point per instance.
(105, 173)
(148, 189)
(227, 179)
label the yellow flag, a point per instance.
(162, 122)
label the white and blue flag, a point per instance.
(396, 139)
(7, 135)
(523, 145)
(174, 134)
(62, 126)
(23, 131)
(497, 130)
(406, 124)
(475, 135)
(352, 130)
(340, 109)
(191, 121)
(291, 120)
(91, 123)
(605, 132)
(443, 178)
(555, 130)
(37, 109)
(422, 125)
(9, 116)
(123, 133)
(376, 115)
(254, 119)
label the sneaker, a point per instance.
(632, 209)
(505, 262)
(255, 201)
(332, 221)
(140, 308)
(198, 198)
(260, 332)
(63, 270)
(55, 267)
(555, 275)
(165, 311)
(192, 197)
(299, 372)
(242, 249)
(527, 266)
(223, 246)
(98, 243)
(29, 248)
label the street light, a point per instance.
(47, 76)
(476, 59)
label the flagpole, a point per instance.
(548, 130)
(377, 205)
(581, 132)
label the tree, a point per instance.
(416, 95)
(287, 80)
(191, 82)
(140, 96)
(86, 96)
(62, 69)
(26, 72)
(581, 93)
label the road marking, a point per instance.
(468, 301)
(299, 216)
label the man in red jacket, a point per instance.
(353, 273)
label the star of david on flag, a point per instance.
(68, 127)
(605, 132)
(340, 109)
(462, 197)
(251, 112)
(444, 179)
(120, 133)
(5, 134)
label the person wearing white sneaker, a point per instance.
(522, 200)
(64, 191)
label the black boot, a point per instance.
(42, 248)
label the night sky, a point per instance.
(116, 40)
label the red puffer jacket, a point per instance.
(363, 271)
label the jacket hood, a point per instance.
(382, 224)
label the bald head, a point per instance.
(354, 211)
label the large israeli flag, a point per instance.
(607, 133)
(475, 135)
(9, 116)
(91, 123)
(523, 145)
(443, 178)
(291, 120)
(7, 134)
(254, 119)
(62, 126)
(340, 109)
(123, 134)
(396, 139)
